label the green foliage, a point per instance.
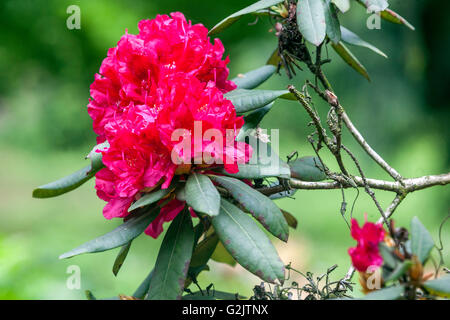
(247, 243)
(421, 241)
(120, 236)
(259, 5)
(254, 78)
(260, 206)
(249, 100)
(389, 293)
(167, 282)
(201, 194)
(307, 169)
(121, 256)
(311, 20)
(439, 287)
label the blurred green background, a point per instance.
(45, 132)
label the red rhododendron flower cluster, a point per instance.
(366, 254)
(151, 84)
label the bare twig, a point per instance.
(410, 185)
(372, 153)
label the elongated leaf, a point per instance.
(142, 290)
(439, 287)
(252, 120)
(333, 26)
(173, 260)
(394, 17)
(274, 59)
(350, 59)
(399, 271)
(201, 195)
(153, 196)
(307, 169)
(76, 179)
(204, 250)
(120, 236)
(260, 206)
(123, 253)
(228, 21)
(222, 255)
(65, 184)
(193, 273)
(375, 5)
(291, 220)
(351, 38)
(389, 259)
(421, 241)
(90, 295)
(390, 293)
(263, 163)
(343, 5)
(96, 156)
(247, 243)
(311, 20)
(248, 100)
(254, 78)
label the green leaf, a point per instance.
(260, 206)
(399, 271)
(193, 273)
(421, 241)
(307, 169)
(153, 197)
(252, 120)
(213, 295)
(204, 250)
(350, 59)
(390, 293)
(173, 260)
(222, 255)
(274, 58)
(291, 220)
(96, 157)
(247, 100)
(343, 5)
(201, 194)
(439, 287)
(333, 26)
(142, 290)
(254, 78)
(90, 295)
(228, 21)
(74, 180)
(65, 184)
(121, 258)
(247, 243)
(311, 20)
(375, 5)
(394, 17)
(351, 38)
(264, 163)
(388, 257)
(120, 236)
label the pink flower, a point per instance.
(366, 254)
(131, 70)
(166, 78)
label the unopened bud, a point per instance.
(332, 98)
